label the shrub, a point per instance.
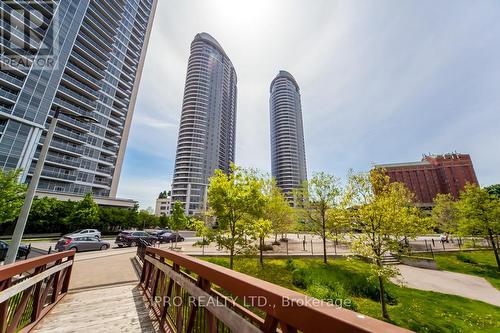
(299, 278)
(466, 258)
(332, 293)
(290, 265)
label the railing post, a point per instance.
(210, 318)
(55, 284)
(4, 307)
(37, 306)
(67, 278)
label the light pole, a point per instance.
(30, 194)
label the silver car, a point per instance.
(85, 232)
(81, 244)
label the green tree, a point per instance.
(236, 200)
(316, 196)
(262, 229)
(11, 195)
(494, 190)
(146, 219)
(480, 215)
(382, 213)
(445, 213)
(178, 219)
(49, 214)
(85, 214)
(277, 209)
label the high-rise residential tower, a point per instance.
(288, 155)
(208, 122)
(81, 57)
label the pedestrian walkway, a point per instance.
(465, 285)
(107, 309)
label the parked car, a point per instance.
(21, 253)
(170, 236)
(131, 238)
(81, 243)
(85, 233)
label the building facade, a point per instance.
(207, 130)
(447, 174)
(288, 155)
(80, 57)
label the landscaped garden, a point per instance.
(347, 281)
(479, 263)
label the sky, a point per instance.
(381, 81)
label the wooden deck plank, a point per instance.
(113, 309)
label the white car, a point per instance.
(86, 232)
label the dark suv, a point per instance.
(131, 238)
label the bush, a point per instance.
(290, 265)
(333, 293)
(299, 278)
(466, 258)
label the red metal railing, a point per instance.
(190, 295)
(31, 288)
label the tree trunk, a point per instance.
(324, 249)
(495, 247)
(261, 250)
(385, 314)
(231, 257)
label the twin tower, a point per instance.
(207, 132)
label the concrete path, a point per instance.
(449, 283)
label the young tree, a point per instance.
(318, 195)
(277, 209)
(445, 213)
(236, 200)
(262, 228)
(85, 214)
(178, 219)
(480, 215)
(11, 195)
(338, 223)
(382, 213)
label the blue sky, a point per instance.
(381, 81)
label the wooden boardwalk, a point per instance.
(111, 309)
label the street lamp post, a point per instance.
(30, 194)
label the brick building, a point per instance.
(434, 174)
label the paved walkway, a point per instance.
(449, 283)
(110, 309)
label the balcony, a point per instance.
(93, 70)
(11, 80)
(69, 107)
(67, 148)
(10, 97)
(77, 98)
(82, 74)
(90, 93)
(70, 135)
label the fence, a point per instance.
(190, 295)
(30, 288)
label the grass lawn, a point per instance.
(421, 311)
(479, 263)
